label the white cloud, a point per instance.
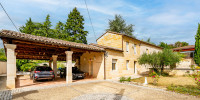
(47, 2)
(171, 18)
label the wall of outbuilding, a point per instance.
(95, 59)
(3, 67)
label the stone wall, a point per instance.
(93, 63)
(111, 40)
(122, 57)
(3, 67)
(182, 68)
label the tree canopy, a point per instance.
(158, 60)
(180, 44)
(119, 25)
(74, 26)
(2, 54)
(71, 30)
(197, 46)
(175, 45)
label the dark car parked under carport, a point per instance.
(76, 73)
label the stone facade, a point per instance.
(93, 64)
(3, 67)
(111, 40)
(126, 61)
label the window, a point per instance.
(127, 64)
(114, 62)
(147, 51)
(135, 49)
(127, 47)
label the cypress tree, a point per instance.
(74, 27)
(197, 47)
(28, 28)
(46, 28)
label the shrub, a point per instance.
(122, 79)
(192, 90)
(28, 67)
(196, 76)
(128, 79)
(60, 65)
(155, 76)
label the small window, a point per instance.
(127, 47)
(135, 49)
(114, 63)
(127, 64)
(147, 51)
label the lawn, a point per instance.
(166, 81)
(185, 85)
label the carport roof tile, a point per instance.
(41, 39)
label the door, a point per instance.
(135, 67)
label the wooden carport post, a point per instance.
(11, 65)
(69, 66)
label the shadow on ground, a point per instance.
(23, 94)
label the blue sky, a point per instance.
(161, 20)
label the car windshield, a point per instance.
(43, 69)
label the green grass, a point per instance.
(166, 81)
(185, 85)
(188, 89)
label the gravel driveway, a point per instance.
(104, 90)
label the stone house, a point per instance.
(122, 52)
(115, 54)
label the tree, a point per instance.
(46, 27)
(2, 55)
(28, 28)
(20, 62)
(158, 60)
(169, 58)
(119, 25)
(180, 44)
(165, 45)
(197, 47)
(74, 27)
(60, 31)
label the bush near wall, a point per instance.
(28, 67)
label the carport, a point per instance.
(25, 46)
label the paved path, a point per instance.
(104, 90)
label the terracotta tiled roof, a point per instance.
(33, 38)
(185, 47)
(132, 38)
(106, 47)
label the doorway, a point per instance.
(135, 67)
